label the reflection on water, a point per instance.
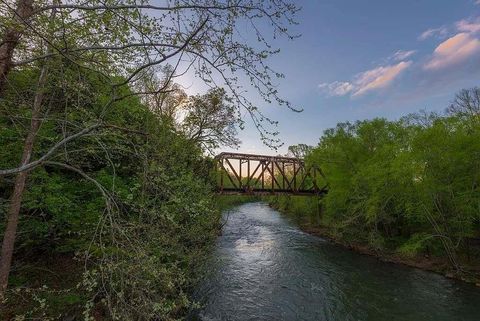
(264, 268)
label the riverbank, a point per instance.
(438, 265)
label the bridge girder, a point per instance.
(266, 175)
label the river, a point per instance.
(265, 268)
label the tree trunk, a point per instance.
(11, 38)
(19, 188)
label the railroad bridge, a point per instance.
(266, 175)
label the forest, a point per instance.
(134, 205)
(408, 187)
(106, 197)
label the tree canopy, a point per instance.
(408, 186)
(96, 163)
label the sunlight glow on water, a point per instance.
(265, 268)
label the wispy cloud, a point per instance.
(467, 25)
(337, 88)
(403, 54)
(370, 80)
(440, 32)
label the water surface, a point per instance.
(265, 268)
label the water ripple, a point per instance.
(264, 268)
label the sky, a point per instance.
(359, 60)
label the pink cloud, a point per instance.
(379, 77)
(374, 79)
(454, 50)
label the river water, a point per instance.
(265, 268)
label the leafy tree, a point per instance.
(408, 186)
(300, 150)
(211, 120)
(166, 103)
(132, 203)
(117, 43)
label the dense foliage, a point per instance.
(410, 186)
(130, 216)
(102, 178)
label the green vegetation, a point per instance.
(138, 213)
(105, 186)
(409, 187)
(105, 192)
(225, 202)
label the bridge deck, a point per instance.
(268, 192)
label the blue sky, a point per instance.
(363, 59)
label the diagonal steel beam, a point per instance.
(262, 172)
(234, 172)
(255, 171)
(284, 176)
(228, 174)
(274, 179)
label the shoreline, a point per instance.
(431, 264)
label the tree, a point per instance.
(466, 104)
(120, 41)
(300, 150)
(12, 30)
(141, 243)
(168, 103)
(408, 186)
(211, 120)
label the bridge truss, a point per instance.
(265, 175)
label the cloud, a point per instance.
(374, 79)
(454, 50)
(468, 25)
(403, 54)
(337, 88)
(477, 2)
(433, 32)
(379, 77)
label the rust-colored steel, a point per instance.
(271, 175)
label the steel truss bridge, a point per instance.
(266, 175)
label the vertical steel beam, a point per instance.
(240, 173)
(263, 175)
(248, 173)
(302, 176)
(221, 174)
(294, 177)
(273, 176)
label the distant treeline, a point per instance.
(409, 186)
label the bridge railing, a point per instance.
(259, 174)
